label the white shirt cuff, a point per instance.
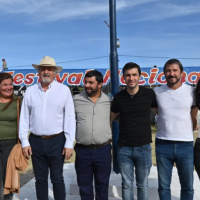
(25, 143)
(69, 144)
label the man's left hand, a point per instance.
(68, 153)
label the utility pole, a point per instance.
(114, 76)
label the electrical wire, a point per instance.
(94, 58)
(156, 57)
(68, 61)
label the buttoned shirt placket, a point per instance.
(93, 119)
(44, 96)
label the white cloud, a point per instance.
(167, 10)
(38, 11)
(51, 10)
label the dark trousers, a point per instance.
(89, 163)
(5, 149)
(197, 156)
(47, 155)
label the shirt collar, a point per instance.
(50, 85)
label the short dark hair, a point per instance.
(173, 61)
(98, 75)
(131, 65)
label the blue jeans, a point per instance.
(140, 158)
(181, 153)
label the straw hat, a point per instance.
(48, 62)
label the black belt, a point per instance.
(173, 141)
(46, 136)
(94, 146)
(179, 141)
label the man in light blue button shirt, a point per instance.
(93, 137)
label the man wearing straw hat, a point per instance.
(48, 113)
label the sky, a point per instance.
(71, 30)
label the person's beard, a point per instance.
(175, 82)
(46, 78)
(93, 91)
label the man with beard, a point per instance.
(93, 137)
(48, 113)
(134, 150)
(174, 139)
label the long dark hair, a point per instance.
(4, 76)
(197, 94)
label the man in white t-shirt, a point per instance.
(174, 139)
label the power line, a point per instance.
(160, 57)
(157, 57)
(67, 61)
(84, 59)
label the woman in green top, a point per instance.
(8, 126)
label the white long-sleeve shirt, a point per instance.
(47, 113)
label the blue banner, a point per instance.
(72, 77)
